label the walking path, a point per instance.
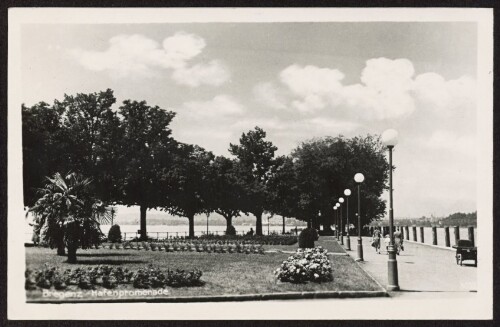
(423, 270)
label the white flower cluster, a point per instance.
(306, 265)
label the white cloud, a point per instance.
(388, 90)
(213, 73)
(312, 87)
(220, 106)
(331, 125)
(268, 94)
(136, 55)
(444, 96)
(182, 46)
(310, 80)
(386, 75)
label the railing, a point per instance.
(170, 235)
(440, 236)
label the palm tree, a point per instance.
(68, 215)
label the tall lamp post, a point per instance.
(359, 178)
(347, 193)
(341, 230)
(390, 139)
(336, 222)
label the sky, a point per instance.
(295, 80)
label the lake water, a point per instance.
(183, 230)
(163, 231)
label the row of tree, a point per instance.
(131, 158)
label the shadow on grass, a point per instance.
(107, 262)
(104, 254)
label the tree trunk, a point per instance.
(316, 224)
(191, 225)
(229, 222)
(144, 233)
(61, 247)
(283, 225)
(258, 224)
(72, 240)
(72, 252)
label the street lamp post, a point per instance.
(359, 178)
(336, 221)
(318, 222)
(341, 230)
(347, 193)
(390, 139)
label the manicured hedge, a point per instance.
(208, 246)
(109, 277)
(255, 239)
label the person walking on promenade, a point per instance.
(376, 240)
(398, 241)
(387, 241)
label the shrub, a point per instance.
(115, 234)
(306, 265)
(307, 238)
(109, 277)
(260, 239)
(152, 277)
(231, 230)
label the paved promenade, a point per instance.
(424, 271)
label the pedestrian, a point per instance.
(250, 232)
(387, 241)
(376, 240)
(398, 241)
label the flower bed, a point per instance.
(254, 239)
(208, 246)
(109, 277)
(306, 265)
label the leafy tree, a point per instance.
(255, 162)
(92, 139)
(80, 134)
(67, 212)
(325, 167)
(226, 194)
(188, 182)
(283, 189)
(145, 157)
(43, 152)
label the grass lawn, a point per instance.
(326, 242)
(223, 274)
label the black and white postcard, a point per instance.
(250, 163)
